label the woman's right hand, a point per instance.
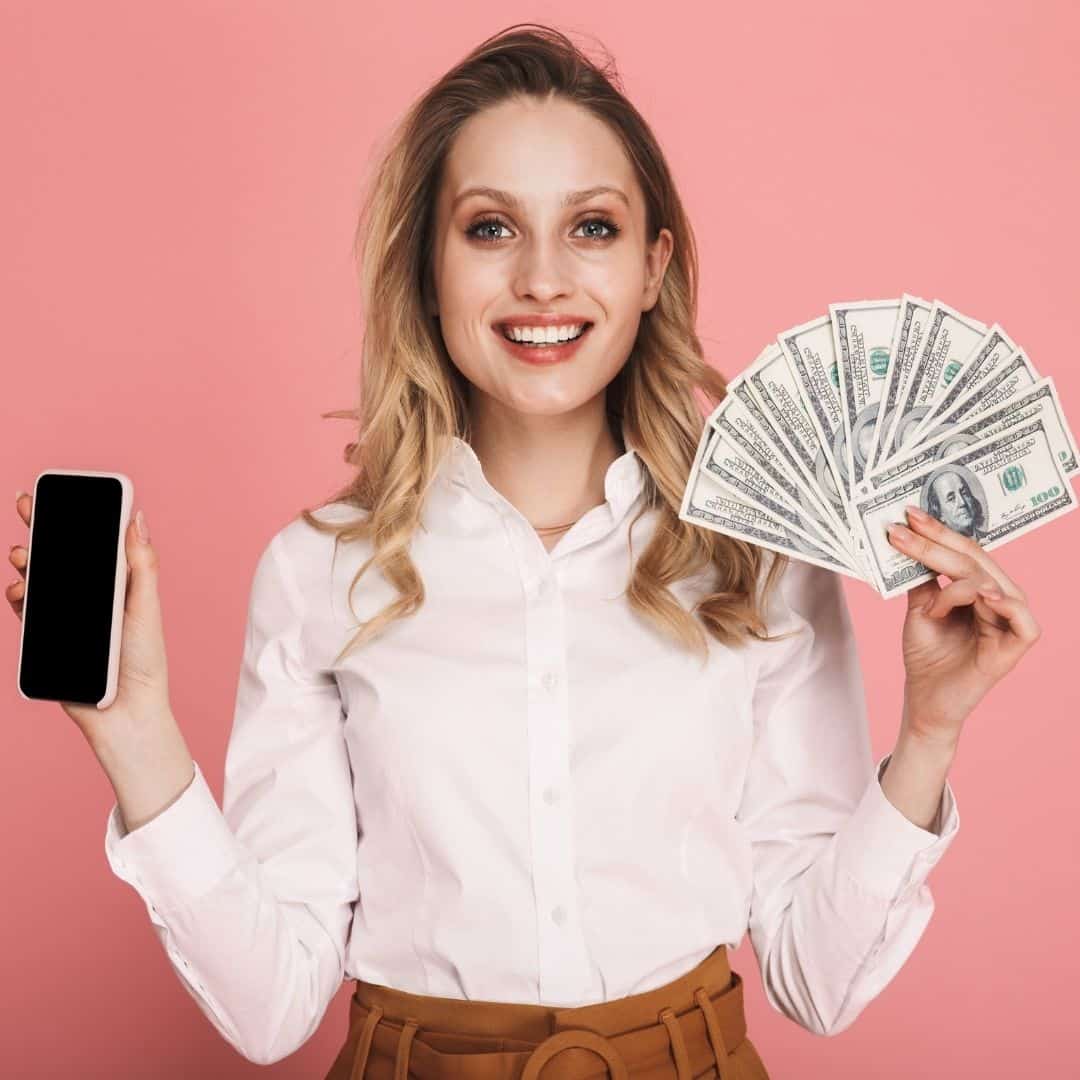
(143, 688)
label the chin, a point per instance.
(544, 408)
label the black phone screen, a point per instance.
(70, 584)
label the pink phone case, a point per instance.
(119, 586)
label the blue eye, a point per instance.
(485, 223)
(497, 222)
(609, 225)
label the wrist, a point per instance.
(924, 724)
(925, 741)
(148, 765)
(126, 738)
(914, 778)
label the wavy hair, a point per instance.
(413, 398)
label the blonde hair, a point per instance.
(414, 399)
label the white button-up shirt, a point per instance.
(524, 791)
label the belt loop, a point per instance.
(364, 1046)
(678, 1044)
(725, 1066)
(401, 1062)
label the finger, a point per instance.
(934, 556)
(17, 558)
(964, 591)
(14, 595)
(924, 524)
(1018, 615)
(23, 504)
(923, 594)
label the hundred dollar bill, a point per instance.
(820, 506)
(741, 419)
(995, 347)
(809, 348)
(1012, 376)
(908, 337)
(726, 465)
(994, 491)
(1037, 401)
(710, 505)
(862, 334)
(775, 386)
(950, 338)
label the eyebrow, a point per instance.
(571, 198)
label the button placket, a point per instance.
(564, 961)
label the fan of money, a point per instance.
(845, 420)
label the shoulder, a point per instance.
(804, 593)
(299, 535)
(304, 552)
(807, 612)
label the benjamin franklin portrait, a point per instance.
(953, 495)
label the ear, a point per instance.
(657, 257)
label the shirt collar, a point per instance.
(623, 481)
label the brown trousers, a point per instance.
(692, 1028)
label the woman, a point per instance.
(579, 746)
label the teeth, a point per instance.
(543, 334)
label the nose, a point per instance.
(542, 271)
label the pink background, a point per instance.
(179, 198)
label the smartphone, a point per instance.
(76, 584)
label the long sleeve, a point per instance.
(253, 902)
(840, 897)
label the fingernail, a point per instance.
(917, 514)
(20, 494)
(901, 532)
(140, 527)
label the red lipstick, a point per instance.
(551, 353)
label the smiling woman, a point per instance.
(549, 350)
(558, 241)
(578, 747)
(553, 329)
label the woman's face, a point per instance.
(492, 261)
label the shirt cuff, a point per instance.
(885, 852)
(177, 857)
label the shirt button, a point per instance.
(559, 914)
(541, 588)
(550, 795)
(550, 680)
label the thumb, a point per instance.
(143, 667)
(922, 596)
(142, 594)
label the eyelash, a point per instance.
(613, 229)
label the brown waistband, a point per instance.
(696, 1019)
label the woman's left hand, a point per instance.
(960, 639)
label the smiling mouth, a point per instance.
(545, 344)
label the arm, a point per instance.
(253, 902)
(914, 779)
(149, 772)
(840, 898)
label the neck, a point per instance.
(551, 468)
